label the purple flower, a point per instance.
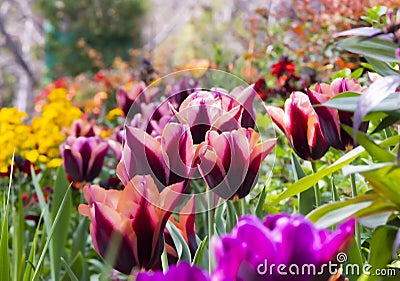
(182, 272)
(248, 252)
(83, 157)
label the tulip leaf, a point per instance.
(181, 246)
(361, 206)
(70, 274)
(376, 48)
(386, 122)
(260, 204)
(29, 270)
(198, 257)
(231, 216)
(381, 242)
(374, 95)
(61, 189)
(52, 229)
(383, 68)
(306, 197)
(4, 254)
(348, 102)
(220, 222)
(373, 149)
(307, 182)
(333, 213)
(382, 181)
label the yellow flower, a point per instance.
(54, 163)
(32, 155)
(116, 112)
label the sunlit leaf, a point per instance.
(383, 50)
(373, 96)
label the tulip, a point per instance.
(248, 252)
(203, 110)
(132, 94)
(218, 110)
(83, 157)
(84, 128)
(230, 161)
(168, 158)
(130, 221)
(301, 125)
(330, 118)
(183, 272)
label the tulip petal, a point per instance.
(73, 163)
(146, 154)
(177, 144)
(96, 161)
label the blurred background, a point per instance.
(44, 40)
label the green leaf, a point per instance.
(375, 48)
(357, 73)
(307, 197)
(52, 228)
(74, 269)
(386, 122)
(71, 275)
(231, 217)
(333, 213)
(4, 254)
(383, 68)
(371, 147)
(260, 203)
(57, 248)
(380, 251)
(307, 182)
(198, 257)
(383, 181)
(29, 270)
(349, 103)
(80, 236)
(181, 246)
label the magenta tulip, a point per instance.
(330, 118)
(230, 161)
(168, 158)
(264, 250)
(83, 157)
(130, 221)
(301, 125)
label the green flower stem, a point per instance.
(211, 223)
(316, 187)
(238, 207)
(354, 194)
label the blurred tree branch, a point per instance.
(15, 50)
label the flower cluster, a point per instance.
(310, 130)
(37, 142)
(209, 135)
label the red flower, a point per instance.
(283, 66)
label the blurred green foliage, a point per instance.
(88, 35)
